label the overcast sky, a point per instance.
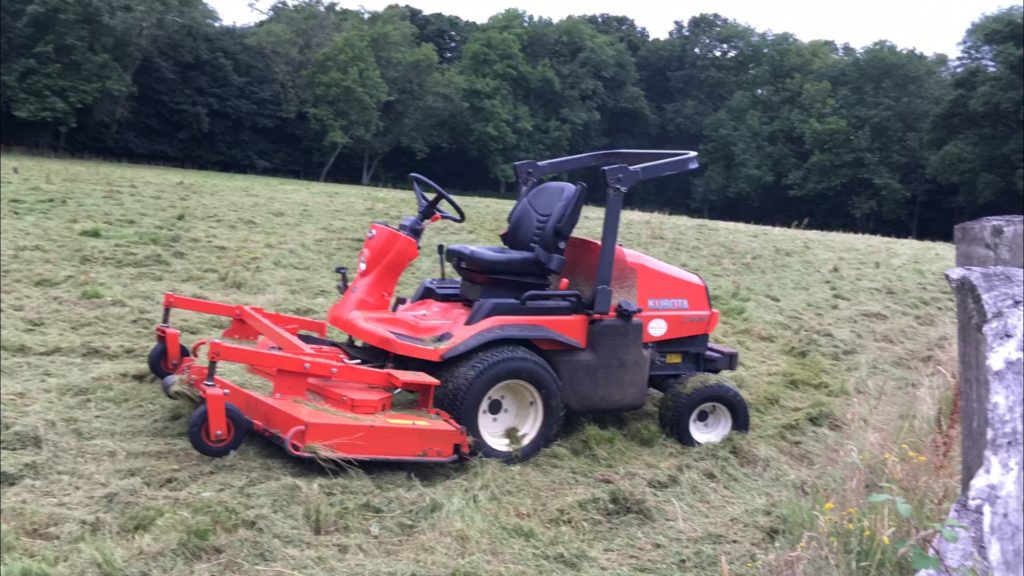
(927, 25)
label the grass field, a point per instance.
(847, 360)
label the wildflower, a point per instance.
(828, 506)
(802, 546)
(922, 459)
(885, 540)
(911, 453)
(850, 511)
(904, 446)
(849, 526)
(867, 533)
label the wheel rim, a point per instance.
(510, 415)
(710, 423)
(215, 442)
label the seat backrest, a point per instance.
(543, 219)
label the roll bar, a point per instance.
(621, 169)
(615, 165)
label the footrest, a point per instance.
(718, 358)
(409, 379)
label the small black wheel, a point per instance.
(704, 413)
(158, 360)
(507, 397)
(166, 384)
(202, 440)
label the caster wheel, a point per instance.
(205, 443)
(158, 360)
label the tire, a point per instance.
(705, 413)
(158, 359)
(504, 386)
(199, 434)
(166, 384)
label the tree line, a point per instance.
(875, 139)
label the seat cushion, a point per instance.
(495, 260)
(538, 228)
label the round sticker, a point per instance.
(657, 327)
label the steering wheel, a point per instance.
(428, 208)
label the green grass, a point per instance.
(844, 342)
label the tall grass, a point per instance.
(845, 344)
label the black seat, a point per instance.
(539, 226)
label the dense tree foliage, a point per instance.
(874, 139)
(979, 129)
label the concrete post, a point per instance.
(990, 318)
(990, 241)
(989, 290)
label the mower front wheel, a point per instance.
(158, 360)
(205, 443)
(507, 398)
(703, 414)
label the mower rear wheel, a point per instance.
(507, 398)
(705, 413)
(205, 443)
(158, 360)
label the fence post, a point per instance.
(989, 288)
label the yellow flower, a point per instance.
(867, 533)
(802, 546)
(850, 511)
(904, 446)
(849, 526)
(885, 540)
(922, 459)
(828, 506)
(911, 453)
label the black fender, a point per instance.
(508, 332)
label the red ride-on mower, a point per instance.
(546, 323)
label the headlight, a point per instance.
(362, 264)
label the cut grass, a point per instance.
(842, 339)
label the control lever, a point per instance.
(440, 255)
(343, 285)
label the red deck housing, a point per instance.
(322, 403)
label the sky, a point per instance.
(929, 26)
